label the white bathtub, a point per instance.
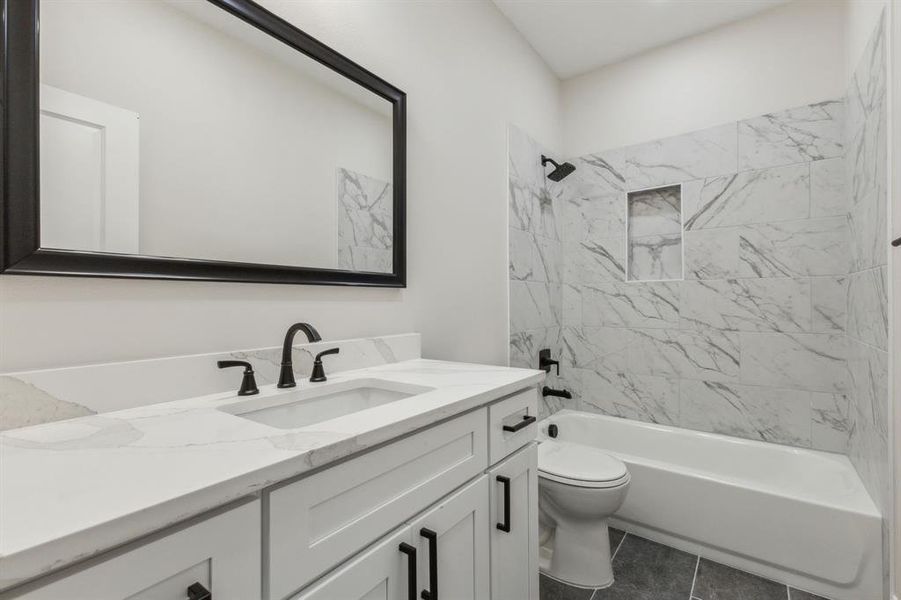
(801, 517)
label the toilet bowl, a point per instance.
(580, 487)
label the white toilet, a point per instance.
(580, 487)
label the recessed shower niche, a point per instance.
(654, 234)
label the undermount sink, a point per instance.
(314, 403)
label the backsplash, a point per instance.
(34, 397)
(750, 340)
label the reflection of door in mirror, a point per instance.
(89, 174)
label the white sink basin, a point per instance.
(311, 403)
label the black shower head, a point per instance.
(560, 171)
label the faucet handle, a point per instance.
(318, 372)
(249, 383)
(545, 362)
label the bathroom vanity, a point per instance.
(425, 487)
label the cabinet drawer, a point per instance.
(511, 413)
(319, 521)
(221, 553)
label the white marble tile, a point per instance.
(712, 253)
(807, 361)
(523, 205)
(868, 307)
(550, 200)
(706, 354)
(761, 196)
(365, 224)
(655, 211)
(795, 248)
(598, 348)
(522, 253)
(746, 305)
(594, 261)
(525, 345)
(694, 155)
(828, 301)
(631, 396)
(34, 397)
(828, 188)
(771, 415)
(532, 305)
(830, 427)
(802, 134)
(571, 306)
(603, 172)
(524, 155)
(548, 260)
(631, 304)
(655, 257)
(586, 217)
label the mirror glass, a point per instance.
(174, 129)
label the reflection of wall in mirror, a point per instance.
(365, 222)
(238, 146)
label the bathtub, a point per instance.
(800, 517)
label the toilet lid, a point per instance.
(578, 463)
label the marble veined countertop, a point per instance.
(72, 489)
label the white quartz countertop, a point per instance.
(72, 489)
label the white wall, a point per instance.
(780, 58)
(467, 74)
(220, 180)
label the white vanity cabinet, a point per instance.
(217, 558)
(448, 512)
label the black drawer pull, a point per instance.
(526, 421)
(410, 551)
(196, 591)
(432, 537)
(505, 526)
(896, 242)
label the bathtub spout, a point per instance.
(546, 391)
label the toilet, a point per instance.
(580, 487)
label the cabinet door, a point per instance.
(380, 573)
(452, 546)
(514, 526)
(222, 554)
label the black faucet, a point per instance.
(248, 384)
(546, 391)
(545, 362)
(318, 372)
(286, 375)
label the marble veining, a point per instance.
(802, 134)
(192, 457)
(365, 222)
(750, 298)
(35, 397)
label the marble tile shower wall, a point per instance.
(751, 342)
(867, 299)
(536, 256)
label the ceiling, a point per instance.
(577, 36)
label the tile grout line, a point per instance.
(618, 546)
(694, 578)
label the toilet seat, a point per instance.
(580, 465)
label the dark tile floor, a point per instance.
(646, 570)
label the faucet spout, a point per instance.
(286, 374)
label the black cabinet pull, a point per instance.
(410, 551)
(526, 421)
(196, 591)
(505, 526)
(896, 242)
(432, 537)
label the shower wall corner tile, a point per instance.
(830, 425)
(868, 307)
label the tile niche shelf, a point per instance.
(655, 234)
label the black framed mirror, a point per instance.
(195, 140)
